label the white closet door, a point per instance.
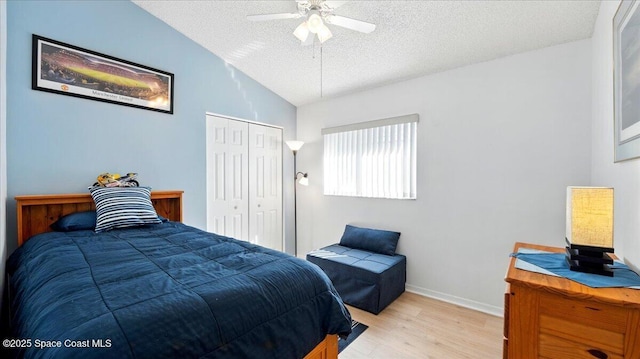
(265, 186)
(227, 177)
(237, 223)
(217, 144)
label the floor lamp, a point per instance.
(303, 180)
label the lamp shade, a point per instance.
(301, 32)
(295, 145)
(304, 180)
(590, 216)
(324, 34)
(314, 21)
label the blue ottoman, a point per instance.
(364, 279)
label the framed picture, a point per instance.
(626, 80)
(70, 70)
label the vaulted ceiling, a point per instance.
(411, 39)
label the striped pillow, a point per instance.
(120, 207)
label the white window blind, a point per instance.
(372, 159)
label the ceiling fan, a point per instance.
(316, 14)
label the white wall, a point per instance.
(624, 177)
(498, 144)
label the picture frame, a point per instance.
(626, 81)
(73, 71)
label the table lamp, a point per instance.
(589, 231)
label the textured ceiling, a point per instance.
(412, 38)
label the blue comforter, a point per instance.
(167, 291)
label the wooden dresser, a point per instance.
(556, 318)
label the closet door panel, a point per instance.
(216, 157)
(265, 189)
(237, 190)
(274, 188)
(256, 184)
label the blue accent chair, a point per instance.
(364, 278)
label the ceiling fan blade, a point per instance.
(352, 24)
(266, 17)
(335, 4)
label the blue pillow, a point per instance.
(121, 207)
(373, 240)
(76, 221)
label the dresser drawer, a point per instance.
(505, 328)
(592, 314)
(553, 347)
(577, 326)
(588, 336)
(507, 298)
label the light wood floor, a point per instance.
(414, 326)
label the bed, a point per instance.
(162, 290)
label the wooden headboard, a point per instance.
(37, 212)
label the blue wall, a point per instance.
(59, 144)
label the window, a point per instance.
(372, 159)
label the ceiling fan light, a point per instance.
(314, 22)
(324, 34)
(302, 32)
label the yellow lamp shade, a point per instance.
(590, 216)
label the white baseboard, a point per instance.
(467, 303)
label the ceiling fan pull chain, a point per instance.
(320, 70)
